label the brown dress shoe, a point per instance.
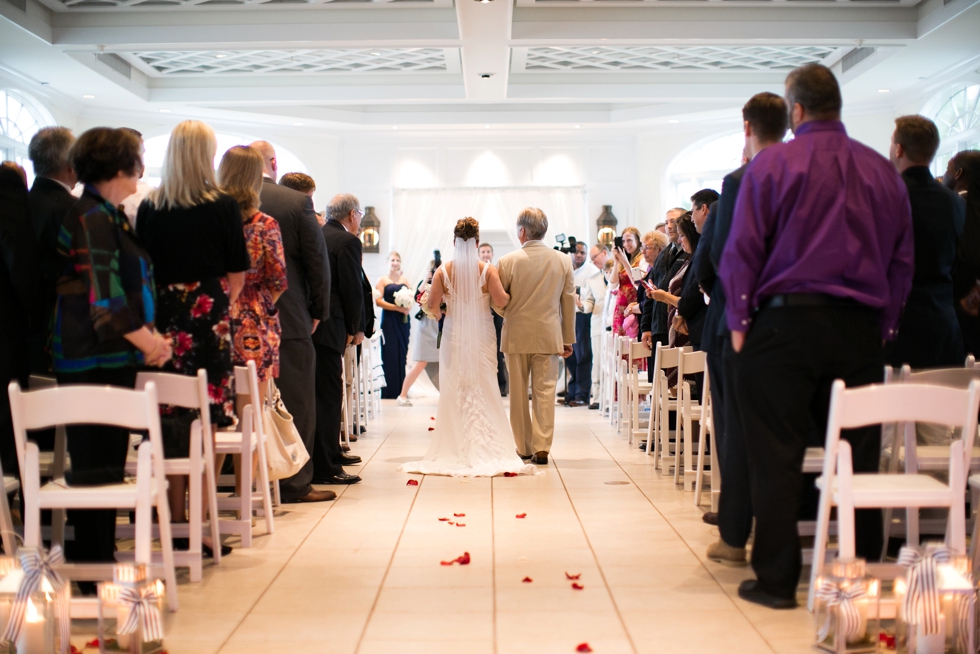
(316, 496)
(540, 458)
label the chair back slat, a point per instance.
(82, 404)
(692, 362)
(950, 377)
(669, 357)
(907, 402)
(639, 351)
(178, 390)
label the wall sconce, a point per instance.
(370, 232)
(607, 226)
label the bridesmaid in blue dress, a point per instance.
(395, 327)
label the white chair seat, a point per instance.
(901, 490)
(230, 442)
(58, 494)
(170, 466)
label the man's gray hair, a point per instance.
(48, 150)
(534, 222)
(341, 206)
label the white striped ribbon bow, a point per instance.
(143, 612)
(923, 602)
(37, 567)
(850, 617)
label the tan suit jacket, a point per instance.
(540, 317)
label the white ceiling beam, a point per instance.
(484, 28)
(933, 14)
(660, 93)
(284, 95)
(710, 23)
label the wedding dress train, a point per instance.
(472, 436)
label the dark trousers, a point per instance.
(783, 377)
(498, 325)
(98, 456)
(297, 377)
(735, 502)
(663, 339)
(581, 384)
(329, 412)
(970, 327)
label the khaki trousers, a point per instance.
(535, 434)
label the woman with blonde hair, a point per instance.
(626, 258)
(193, 232)
(254, 319)
(396, 329)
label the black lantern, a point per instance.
(370, 231)
(607, 226)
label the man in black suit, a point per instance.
(765, 119)
(305, 303)
(345, 328)
(50, 199)
(653, 321)
(691, 307)
(929, 334)
(963, 177)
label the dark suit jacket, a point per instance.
(367, 319)
(707, 277)
(654, 316)
(691, 305)
(347, 308)
(929, 334)
(307, 267)
(716, 327)
(49, 203)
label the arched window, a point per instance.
(20, 118)
(957, 115)
(703, 166)
(157, 146)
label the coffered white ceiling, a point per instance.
(368, 64)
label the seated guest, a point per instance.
(929, 335)
(50, 199)
(963, 176)
(802, 316)
(194, 234)
(103, 326)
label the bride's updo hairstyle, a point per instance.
(467, 228)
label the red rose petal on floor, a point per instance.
(443, 519)
(432, 428)
(460, 524)
(510, 474)
(578, 586)
(568, 576)
(92, 643)
(450, 522)
(459, 515)
(432, 418)
(447, 562)
(527, 580)
(583, 647)
(521, 515)
(412, 482)
(465, 559)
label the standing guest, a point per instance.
(653, 244)
(486, 256)
(104, 315)
(302, 306)
(764, 120)
(817, 267)
(254, 318)
(304, 184)
(20, 276)
(700, 204)
(929, 335)
(426, 353)
(689, 237)
(396, 329)
(691, 307)
(963, 176)
(130, 206)
(580, 363)
(194, 235)
(661, 227)
(50, 199)
(343, 329)
(626, 258)
(594, 304)
(654, 327)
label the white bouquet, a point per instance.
(423, 299)
(403, 298)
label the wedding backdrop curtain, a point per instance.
(423, 219)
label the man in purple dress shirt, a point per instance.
(816, 270)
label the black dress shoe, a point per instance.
(342, 478)
(710, 518)
(208, 553)
(594, 406)
(344, 447)
(359, 430)
(313, 496)
(749, 591)
(540, 458)
(349, 459)
(524, 457)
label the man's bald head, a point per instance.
(269, 164)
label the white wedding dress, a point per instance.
(472, 436)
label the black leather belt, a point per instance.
(808, 300)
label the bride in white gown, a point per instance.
(472, 436)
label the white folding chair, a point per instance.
(688, 411)
(189, 393)
(7, 533)
(637, 387)
(661, 405)
(605, 357)
(248, 442)
(706, 438)
(839, 485)
(102, 405)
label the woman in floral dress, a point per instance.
(254, 317)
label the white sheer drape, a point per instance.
(423, 219)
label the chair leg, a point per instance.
(31, 488)
(819, 542)
(270, 525)
(144, 506)
(195, 518)
(699, 469)
(956, 523)
(7, 527)
(246, 492)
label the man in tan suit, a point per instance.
(539, 327)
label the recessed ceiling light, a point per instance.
(88, 96)
(578, 127)
(297, 124)
(883, 90)
(484, 2)
(596, 51)
(486, 127)
(673, 121)
(165, 111)
(220, 56)
(376, 54)
(394, 127)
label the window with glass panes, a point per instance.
(958, 121)
(20, 119)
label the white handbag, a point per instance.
(284, 449)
